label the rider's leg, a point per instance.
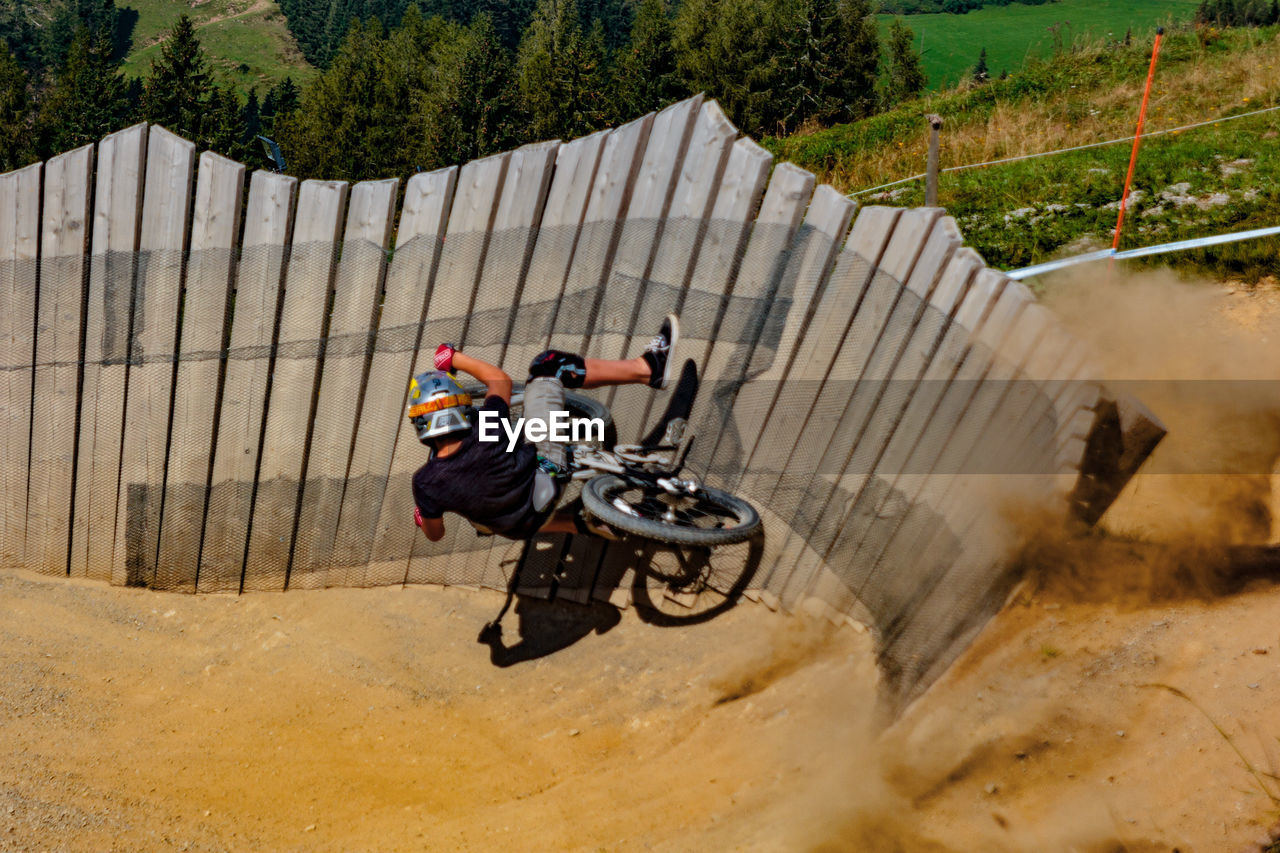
(600, 372)
(544, 396)
(649, 368)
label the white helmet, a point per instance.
(437, 405)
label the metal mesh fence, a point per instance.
(856, 384)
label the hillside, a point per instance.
(1197, 182)
(248, 41)
(949, 44)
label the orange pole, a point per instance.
(1137, 139)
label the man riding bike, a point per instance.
(510, 491)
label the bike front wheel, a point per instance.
(708, 517)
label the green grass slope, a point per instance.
(1199, 182)
(949, 44)
(248, 41)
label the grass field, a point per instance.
(248, 41)
(1198, 182)
(950, 44)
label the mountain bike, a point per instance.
(693, 548)
(640, 489)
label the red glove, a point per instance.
(444, 357)
(417, 516)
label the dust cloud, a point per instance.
(1204, 359)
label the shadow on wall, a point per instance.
(671, 587)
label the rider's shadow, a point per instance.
(545, 627)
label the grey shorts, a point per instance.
(542, 397)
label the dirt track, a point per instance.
(372, 720)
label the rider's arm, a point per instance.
(434, 528)
(495, 379)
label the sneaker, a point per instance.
(661, 352)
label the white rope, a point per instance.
(1074, 148)
(1160, 249)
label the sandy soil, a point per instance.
(1120, 702)
(372, 720)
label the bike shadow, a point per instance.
(670, 587)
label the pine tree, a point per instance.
(731, 49)
(980, 71)
(857, 50)
(476, 118)
(15, 108)
(88, 100)
(281, 101)
(222, 126)
(179, 87)
(906, 77)
(562, 74)
(20, 36)
(251, 121)
(645, 68)
(833, 68)
(99, 17)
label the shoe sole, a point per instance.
(673, 340)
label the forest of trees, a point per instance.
(1238, 13)
(954, 7)
(432, 90)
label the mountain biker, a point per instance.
(510, 492)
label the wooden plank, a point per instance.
(109, 314)
(19, 253)
(597, 240)
(724, 244)
(641, 232)
(773, 430)
(914, 386)
(697, 171)
(730, 359)
(964, 591)
(668, 282)
(295, 373)
(901, 356)
(616, 303)
(215, 233)
(398, 546)
(960, 492)
(936, 405)
(615, 576)
(357, 292)
(794, 439)
(557, 241)
(701, 307)
(162, 246)
(593, 253)
(498, 298)
(988, 313)
(865, 373)
(259, 282)
(554, 251)
(64, 244)
(857, 354)
(427, 199)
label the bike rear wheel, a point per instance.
(706, 518)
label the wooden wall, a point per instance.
(204, 381)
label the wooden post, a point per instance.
(931, 171)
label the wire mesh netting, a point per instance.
(864, 381)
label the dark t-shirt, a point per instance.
(483, 482)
